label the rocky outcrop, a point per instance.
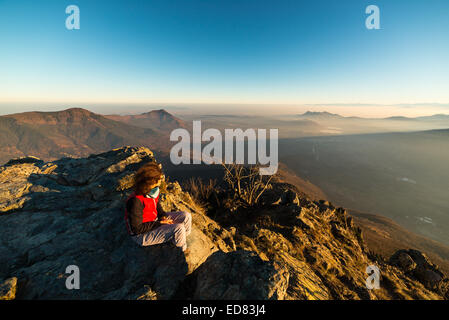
(240, 275)
(417, 265)
(69, 212)
(320, 246)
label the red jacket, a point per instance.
(141, 214)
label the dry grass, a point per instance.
(246, 182)
(199, 190)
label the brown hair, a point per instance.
(146, 177)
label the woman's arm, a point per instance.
(160, 212)
(135, 215)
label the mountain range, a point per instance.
(324, 115)
(78, 132)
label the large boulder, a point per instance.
(417, 265)
(239, 275)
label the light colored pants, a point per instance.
(176, 232)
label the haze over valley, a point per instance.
(403, 176)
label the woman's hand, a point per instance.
(166, 220)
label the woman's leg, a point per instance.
(184, 217)
(168, 232)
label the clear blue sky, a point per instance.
(224, 51)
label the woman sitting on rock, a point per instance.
(146, 221)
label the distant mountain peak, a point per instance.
(320, 114)
(161, 114)
(156, 119)
(163, 111)
(52, 117)
(438, 116)
(77, 110)
(158, 112)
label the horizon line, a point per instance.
(164, 109)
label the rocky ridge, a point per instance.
(70, 212)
